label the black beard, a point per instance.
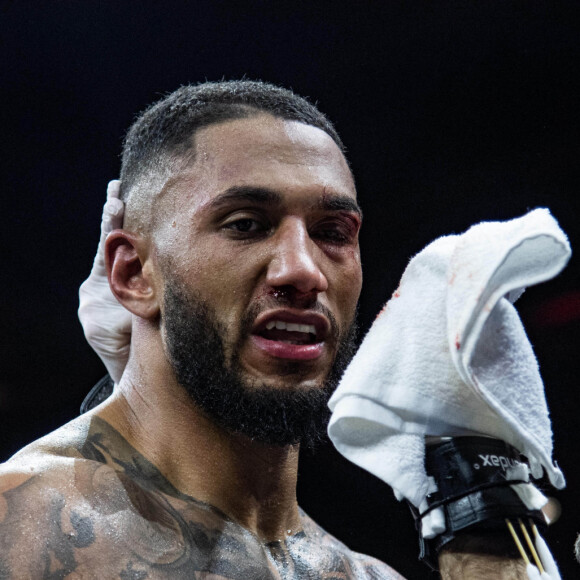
(274, 416)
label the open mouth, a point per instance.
(289, 332)
(291, 335)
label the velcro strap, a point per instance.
(473, 477)
(463, 465)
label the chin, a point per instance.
(291, 376)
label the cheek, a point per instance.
(226, 283)
(223, 283)
(353, 283)
(347, 289)
(354, 270)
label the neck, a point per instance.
(252, 483)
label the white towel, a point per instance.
(448, 356)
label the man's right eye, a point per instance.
(245, 226)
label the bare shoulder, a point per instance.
(82, 503)
(51, 462)
(50, 459)
(47, 505)
(41, 518)
(356, 565)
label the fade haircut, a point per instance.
(162, 137)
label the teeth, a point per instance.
(290, 326)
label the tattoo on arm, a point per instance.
(41, 541)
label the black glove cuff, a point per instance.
(474, 491)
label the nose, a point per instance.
(295, 260)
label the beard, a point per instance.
(272, 415)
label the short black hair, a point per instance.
(165, 129)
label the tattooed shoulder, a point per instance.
(83, 503)
(93, 507)
(41, 522)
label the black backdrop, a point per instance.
(453, 113)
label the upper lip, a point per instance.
(320, 322)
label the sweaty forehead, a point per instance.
(261, 151)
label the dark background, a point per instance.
(453, 113)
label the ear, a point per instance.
(130, 273)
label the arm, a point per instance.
(61, 522)
(31, 546)
(471, 557)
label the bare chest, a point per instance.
(156, 536)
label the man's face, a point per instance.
(262, 228)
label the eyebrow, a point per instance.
(268, 197)
(246, 193)
(334, 202)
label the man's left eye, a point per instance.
(333, 233)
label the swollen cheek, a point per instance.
(352, 255)
(349, 288)
(350, 277)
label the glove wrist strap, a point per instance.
(474, 476)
